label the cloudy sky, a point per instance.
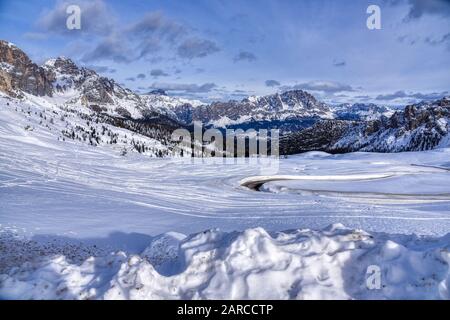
(228, 49)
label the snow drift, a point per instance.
(253, 264)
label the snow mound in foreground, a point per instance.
(253, 264)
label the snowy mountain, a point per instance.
(81, 86)
(290, 111)
(361, 111)
(293, 104)
(73, 103)
(61, 81)
(61, 87)
(418, 127)
(178, 109)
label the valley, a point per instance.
(95, 203)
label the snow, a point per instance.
(11, 45)
(264, 179)
(165, 104)
(75, 183)
(70, 89)
(48, 119)
(84, 222)
(445, 142)
(442, 123)
(50, 63)
(253, 99)
(252, 264)
(6, 67)
(225, 121)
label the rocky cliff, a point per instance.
(19, 73)
(418, 127)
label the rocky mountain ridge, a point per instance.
(306, 123)
(418, 127)
(288, 106)
(18, 73)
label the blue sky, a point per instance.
(228, 49)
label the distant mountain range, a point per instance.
(418, 127)
(305, 123)
(361, 111)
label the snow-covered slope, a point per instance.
(76, 181)
(33, 118)
(78, 221)
(69, 103)
(335, 263)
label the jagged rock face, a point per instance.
(99, 91)
(231, 109)
(416, 128)
(361, 111)
(65, 73)
(289, 105)
(177, 109)
(297, 100)
(19, 73)
(65, 83)
(184, 113)
(93, 88)
(66, 66)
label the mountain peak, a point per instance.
(4, 43)
(159, 92)
(63, 65)
(59, 60)
(18, 73)
(295, 91)
(298, 93)
(10, 53)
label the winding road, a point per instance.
(256, 183)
